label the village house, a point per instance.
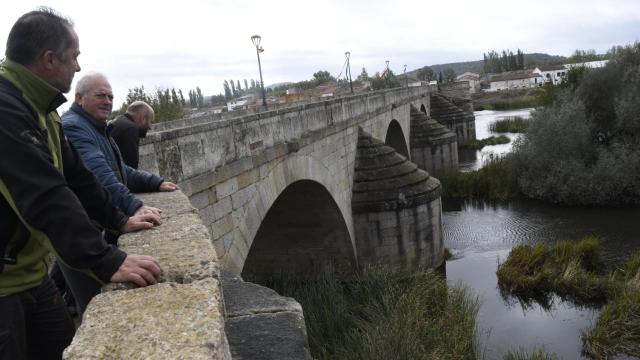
(553, 74)
(519, 79)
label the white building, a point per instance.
(239, 103)
(553, 74)
(519, 79)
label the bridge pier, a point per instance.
(396, 208)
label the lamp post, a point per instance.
(256, 41)
(406, 81)
(347, 54)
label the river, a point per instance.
(481, 234)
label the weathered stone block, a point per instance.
(171, 203)
(181, 245)
(227, 188)
(164, 321)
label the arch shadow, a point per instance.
(395, 138)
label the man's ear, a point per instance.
(78, 98)
(48, 60)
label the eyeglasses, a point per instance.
(103, 96)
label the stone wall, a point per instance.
(181, 316)
(193, 309)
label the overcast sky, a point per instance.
(201, 43)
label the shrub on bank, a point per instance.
(492, 140)
(491, 182)
(385, 313)
(512, 124)
(569, 270)
(584, 149)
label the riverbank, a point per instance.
(575, 272)
(385, 313)
(507, 99)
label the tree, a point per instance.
(181, 98)
(387, 80)
(238, 87)
(322, 77)
(228, 95)
(253, 84)
(425, 74)
(233, 89)
(246, 85)
(449, 75)
(200, 97)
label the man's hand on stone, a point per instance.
(140, 222)
(141, 270)
(168, 186)
(147, 210)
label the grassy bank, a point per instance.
(513, 124)
(385, 313)
(574, 271)
(536, 354)
(492, 140)
(570, 270)
(507, 100)
(491, 182)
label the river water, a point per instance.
(481, 234)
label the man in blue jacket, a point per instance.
(48, 199)
(85, 125)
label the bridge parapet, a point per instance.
(181, 316)
(206, 143)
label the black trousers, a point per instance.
(34, 324)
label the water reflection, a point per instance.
(472, 159)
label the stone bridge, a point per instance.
(314, 185)
(327, 183)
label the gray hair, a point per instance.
(83, 84)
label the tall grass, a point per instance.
(618, 328)
(572, 271)
(385, 313)
(491, 182)
(492, 140)
(511, 124)
(569, 270)
(536, 354)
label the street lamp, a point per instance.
(347, 54)
(256, 41)
(406, 81)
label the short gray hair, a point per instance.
(83, 84)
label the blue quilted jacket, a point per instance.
(101, 155)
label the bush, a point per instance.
(514, 124)
(536, 354)
(492, 140)
(584, 148)
(492, 182)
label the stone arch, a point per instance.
(396, 139)
(285, 173)
(302, 232)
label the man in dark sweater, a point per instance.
(129, 128)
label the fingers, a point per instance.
(141, 270)
(168, 186)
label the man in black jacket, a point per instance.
(48, 199)
(129, 128)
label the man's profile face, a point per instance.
(98, 100)
(65, 70)
(146, 122)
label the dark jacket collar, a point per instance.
(100, 125)
(41, 94)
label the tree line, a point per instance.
(508, 61)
